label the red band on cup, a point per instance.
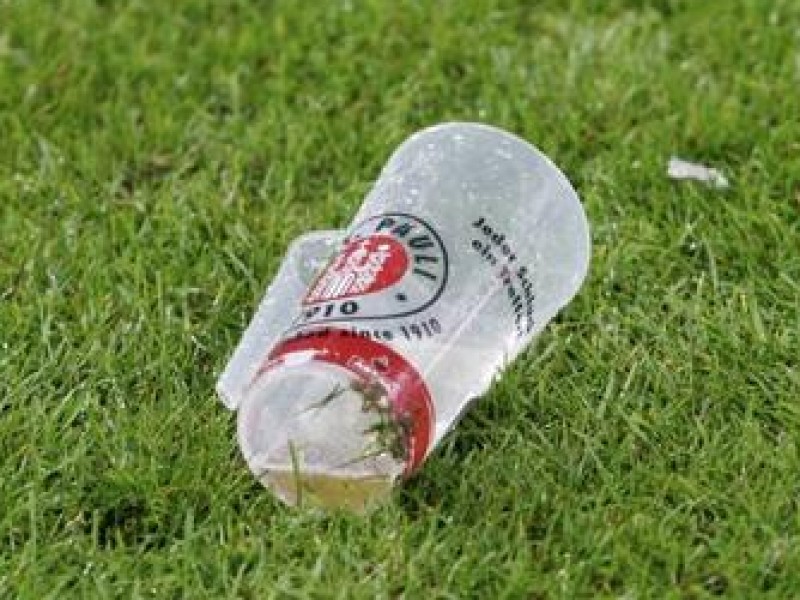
(371, 362)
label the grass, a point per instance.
(157, 157)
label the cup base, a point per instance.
(329, 490)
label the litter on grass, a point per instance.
(682, 169)
(351, 372)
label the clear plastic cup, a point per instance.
(468, 244)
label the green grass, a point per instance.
(157, 157)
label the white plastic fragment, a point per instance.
(682, 169)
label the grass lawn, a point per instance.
(157, 157)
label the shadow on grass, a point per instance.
(432, 488)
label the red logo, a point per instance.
(391, 265)
(364, 266)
